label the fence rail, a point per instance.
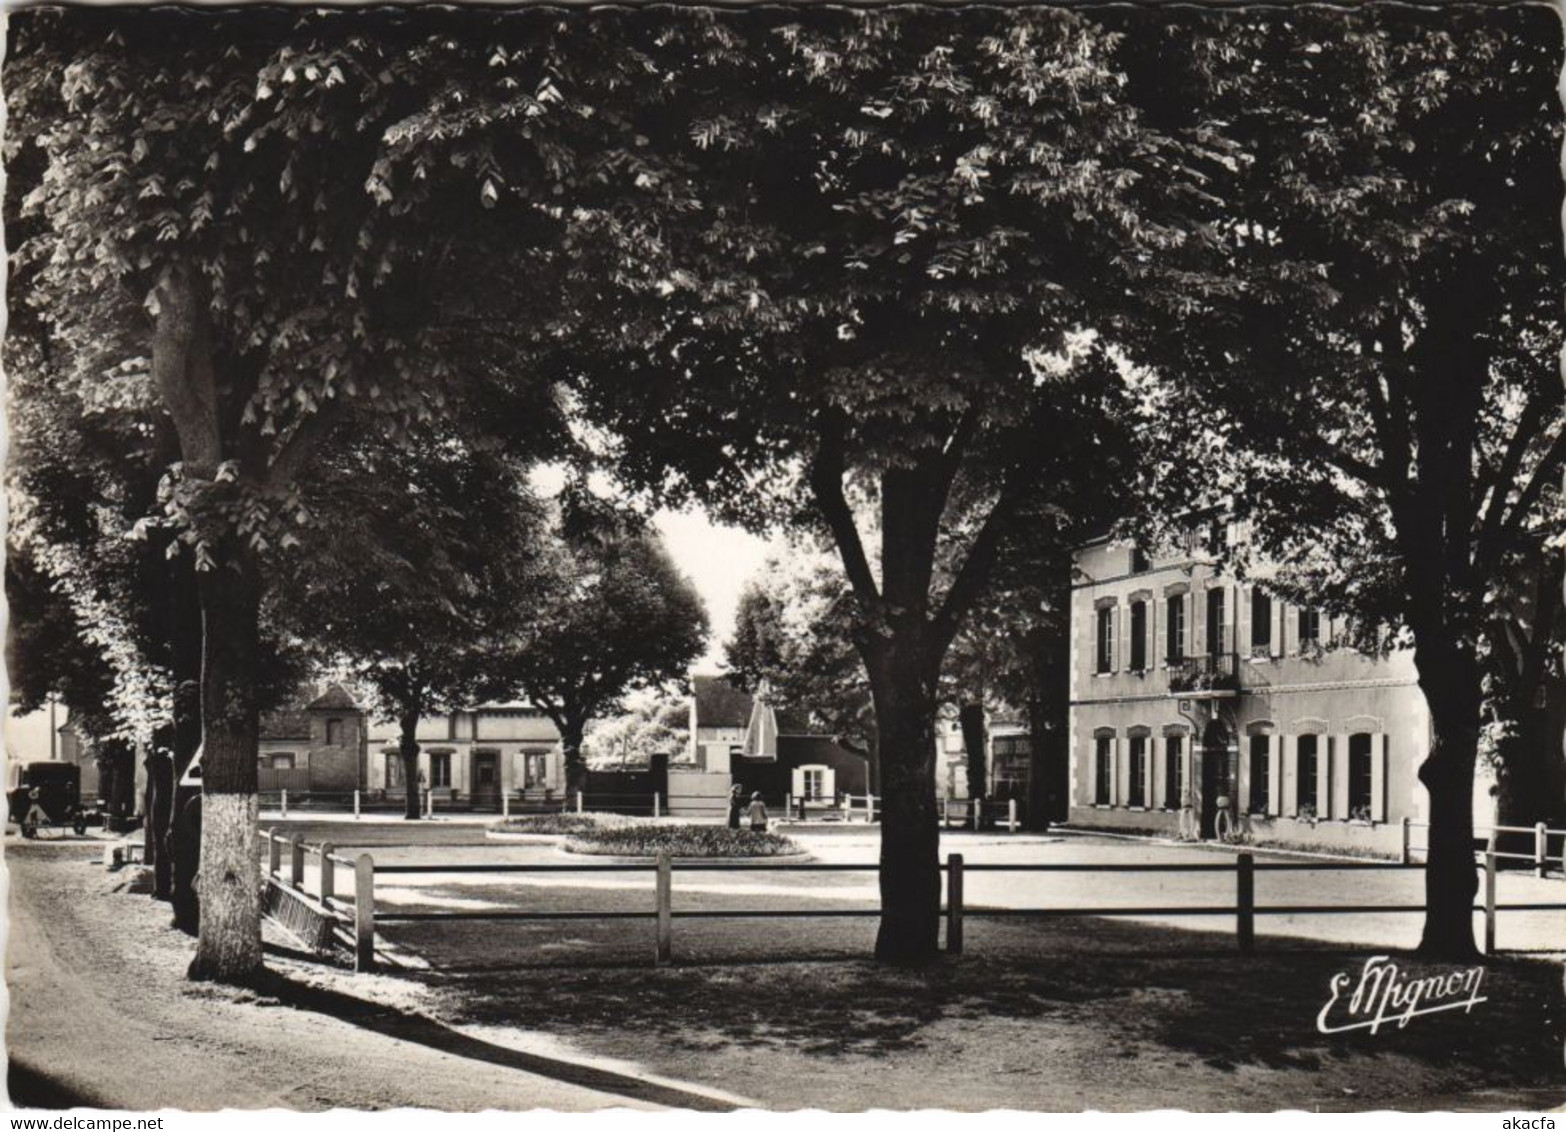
(355, 919)
(1540, 857)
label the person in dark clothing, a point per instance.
(736, 804)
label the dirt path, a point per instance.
(101, 1015)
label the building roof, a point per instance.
(800, 750)
(335, 698)
(719, 703)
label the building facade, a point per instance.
(1194, 692)
(327, 745)
(804, 764)
(475, 756)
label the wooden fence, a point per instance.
(355, 916)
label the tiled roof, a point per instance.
(335, 698)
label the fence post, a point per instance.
(1011, 815)
(1403, 854)
(1489, 903)
(665, 893)
(274, 859)
(578, 801)
(296, 861)
(1245, 918)
(328, 884)
(657, 806)
(285, 803)
(429, 802)
(788, 805)
(364, 913)
(977, 806)
(1539, 832)
(505, 805)
(954, 904)
(356, 805)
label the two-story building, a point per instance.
(1195, 694)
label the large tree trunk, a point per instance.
(1450, 681)
(904, 689)
(408, 751)
(160, 812)
(970, 717)
(228, 947)
(571, 731)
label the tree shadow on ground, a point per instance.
(422, 1030)
(1125, 983)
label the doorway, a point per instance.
(486, 780)
(1217, 775)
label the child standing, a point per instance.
(758, 813)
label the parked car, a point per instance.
(46, 793)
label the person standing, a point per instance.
(758, 813)
(736, 804)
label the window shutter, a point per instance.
(1117, 653)
(1324, 746)
(1151, 651)
(1119, 773)
(1280, 618)
(829, 783)
(1288, 749)
(1156, 755)
(1340, 776)
(798, 781)
(1378, 777)
(1242, 619)
(1275, 775)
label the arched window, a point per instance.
(1359, 775)
(1174, 629)
(1139, 636)
(1307, 753)
(1174, 771)
(1139, 784)
(1261, 621)
(1103, 768)
(1261, 772)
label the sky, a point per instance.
(719, 560)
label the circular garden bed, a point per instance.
(698, 841)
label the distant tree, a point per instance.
(437, 564)
(620, 618)
(793, 631)
(660, 727)
(1376, 381)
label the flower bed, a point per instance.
(680, 841)
(562, 824)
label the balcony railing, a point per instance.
(1213, 674)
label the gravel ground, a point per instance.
(1047, 1014)
(100, 1015)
